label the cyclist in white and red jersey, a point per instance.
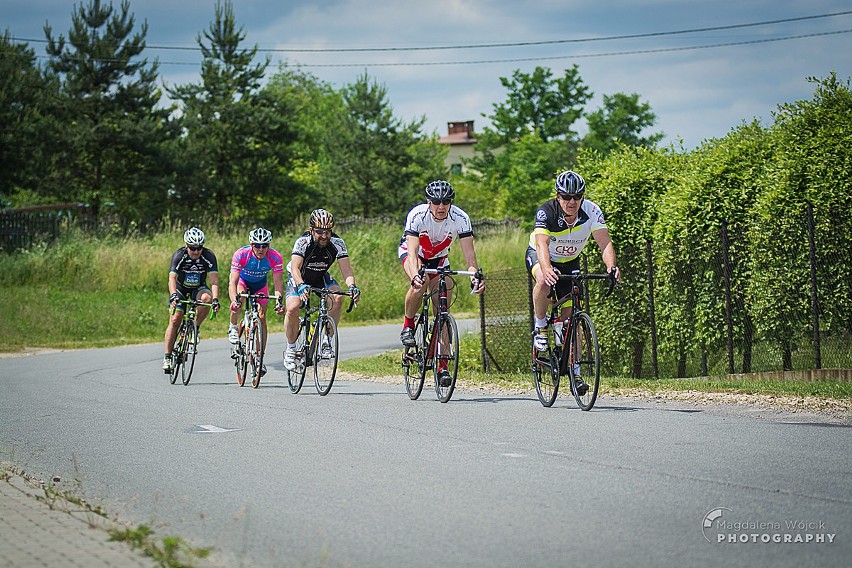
(563, 226)
(313, 254)
(250, 266)
(192, 265)
(430, 229)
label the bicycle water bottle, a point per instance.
(558, 324)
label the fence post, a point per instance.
(729, 318)
(814, 298)
(482, 332)
(650, 259)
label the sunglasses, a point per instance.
(570, 196)
(446, 201)
(194, 249)
(260, 245)
(322, 231)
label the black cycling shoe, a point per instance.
(407, 337)
(582, 387)
(445, 378)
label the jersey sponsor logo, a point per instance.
(431, 250)
(565, 250)
(541, 215)
(560, 222)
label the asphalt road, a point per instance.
(367, 477)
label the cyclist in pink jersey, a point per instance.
(430, 229)
(250, 266)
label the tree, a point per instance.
(539, 103)
(112, 131)
(621, 121)
(372, 163)
(24, 96)
(234, 145)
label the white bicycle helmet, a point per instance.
(570, 182)
(194, 236)
(260, 236)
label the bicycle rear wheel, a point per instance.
(446, 355)
(325, 360)
(296, 377)
(241, 355)
(189, 350)
(255, 352)
(414, 361)
(584, 356)
(177, 352)
(545, 369)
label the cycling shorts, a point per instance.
(563, 286)
(189, 293)
(255, 288)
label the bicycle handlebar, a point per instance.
(580, 277)
(194, 303)
(325, 292)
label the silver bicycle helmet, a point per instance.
(260, 236)
(570, 182)
(440, 189)
(194, 236)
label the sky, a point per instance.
(700, 84)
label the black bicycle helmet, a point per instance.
(570, 182)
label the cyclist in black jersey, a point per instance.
(563, 226)
(190, 268)
(313, 254)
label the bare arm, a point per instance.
(542, 251)
(296, 263)
(469, 253)
(214, 285)
(346, 271)
(412, 261)
(607, 251)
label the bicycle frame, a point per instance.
(437, 344)
(186, 342)
(308, 342)
(249, 350)
(579, 348)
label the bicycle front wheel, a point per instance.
(414, 361)
(255, 347)
(545, 369)
(190, 348)
(445, 366)
(296, 377)
(325, 350)
(241, 356)
(178, 353)
(584, 364)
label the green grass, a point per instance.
(83, 291)
(388, 364)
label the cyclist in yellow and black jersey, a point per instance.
(563, 226)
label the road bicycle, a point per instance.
(186, 344)
(437, 343)
(576, 353)
(317, 343)
(248, 352)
